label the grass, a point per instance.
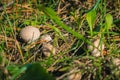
(71, 28)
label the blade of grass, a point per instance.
(57, 31)
(52, 14)
(14, 35)
(95, 6)
(57, 20)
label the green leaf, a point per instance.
(90, 17)
(15, 71)
(35, 72)
(108, 21)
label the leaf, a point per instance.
(35, 72)
(90, 17)
(108, 21)
(15, 71)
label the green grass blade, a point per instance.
(52, 14)
(57, 31)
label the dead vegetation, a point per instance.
(72, 60)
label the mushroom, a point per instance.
(116, 61)
(46, 38)
(96, 48)
(74, 75)
(48, 49)
(30, 34)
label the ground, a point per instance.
(72, 28)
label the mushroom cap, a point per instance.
(46, 38)
(48, 49)
(96, 48)
(116, 61)
(74, 75)
(29, 33)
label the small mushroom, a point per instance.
(46, 38)
(74, 75)
(96, 48)
(30, 34)
(48, 49)
(116, 61)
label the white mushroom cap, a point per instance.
(74, 75)
(29, 33)
(48, 49)
(46, 38)
(116, 61)
(96, 48)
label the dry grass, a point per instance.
(73, 61)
